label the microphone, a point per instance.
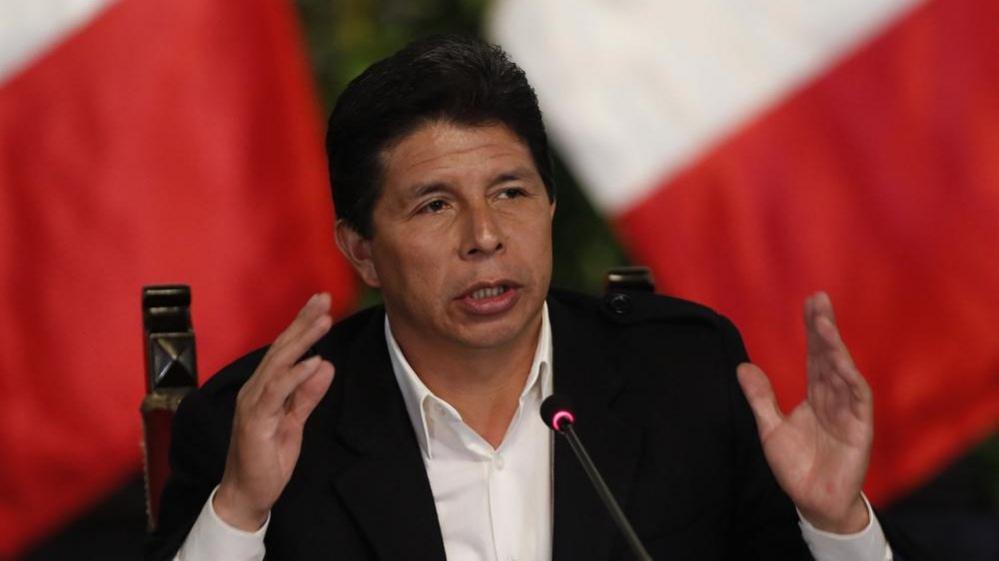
(557, 413)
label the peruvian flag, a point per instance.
(142, 142)
(754, 151)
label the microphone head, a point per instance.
(556, 412)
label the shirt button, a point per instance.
(498, 460)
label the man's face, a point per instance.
(461, 247)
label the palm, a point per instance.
(271, 411)
(818, 453)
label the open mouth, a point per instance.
(488, 292)
(490, 298)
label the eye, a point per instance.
(434, 206)
(512, 193)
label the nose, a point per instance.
(484, 236)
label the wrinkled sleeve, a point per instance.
(211, 538)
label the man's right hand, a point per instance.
(271, 411)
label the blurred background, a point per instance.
(750, 153)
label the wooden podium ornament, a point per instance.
(171, 372)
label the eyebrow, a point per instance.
(423, 189)
(516, 174)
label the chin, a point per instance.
(498, 333)
(485, 341)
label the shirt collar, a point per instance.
(416, 395)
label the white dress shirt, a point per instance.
(493, 504)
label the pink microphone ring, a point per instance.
(560, 416)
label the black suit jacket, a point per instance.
(658, 406)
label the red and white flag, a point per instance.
(752, 152)
(142, 142)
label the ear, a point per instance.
(551, 211)
(357, 249)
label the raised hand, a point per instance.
(820, 452)
(271, 411)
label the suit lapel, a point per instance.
(380, 476)
(586, 371)
(378, 471)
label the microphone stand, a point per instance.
(605, 494)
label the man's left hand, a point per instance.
(819, 453)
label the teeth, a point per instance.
(488, 292)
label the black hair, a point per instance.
(453, 78)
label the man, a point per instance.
(426, 441)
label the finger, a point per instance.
(284, 355)
(276, 390)
(315, 307)
(307, 395)
(838, 363)
(829, 338)
(813, 342)
(760, 396)
(293, 349)
(279, 359)
(818, 306)
(828, 392)
(822, 305)
(854, 380)
(837, 355)
(825, 346)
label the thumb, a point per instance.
(761, 398)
